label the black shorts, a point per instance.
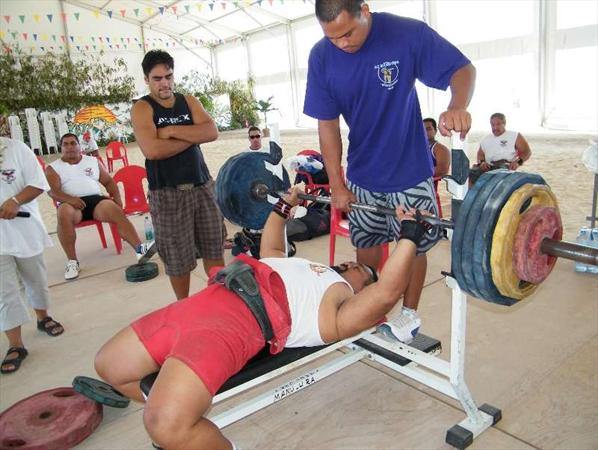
(91, 201)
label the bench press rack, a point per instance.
(416, 360)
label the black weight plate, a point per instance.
(462, 249)
(100, 392)
(142, 272)
(473, 220)
(482, 242)
(236, 179)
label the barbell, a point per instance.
(506, 235)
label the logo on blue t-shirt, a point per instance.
(388, 73)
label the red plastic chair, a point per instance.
(113, 153)
(339, 225)
(311, 187)
(131, 178)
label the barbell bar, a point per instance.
(503, 244)
(552, 247)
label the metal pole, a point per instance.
(569, 250)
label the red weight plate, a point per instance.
(537, 224)
(54, 419)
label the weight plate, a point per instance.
(142, 272)
(100, 392)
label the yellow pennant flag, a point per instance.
(44, 37)
(149, 11)
(36, 17)
(2, 34)
(199, 5)
(96, 13)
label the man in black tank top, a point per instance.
(169, 128)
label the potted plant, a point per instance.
(265, 106)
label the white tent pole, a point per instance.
(293, 71)
(142, 30)
(65, 29)
(430, 17)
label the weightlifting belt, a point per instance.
(238, 277)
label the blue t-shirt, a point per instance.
(374, 90)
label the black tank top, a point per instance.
(187, 167)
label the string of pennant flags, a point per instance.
(177, 10)
(51, 42)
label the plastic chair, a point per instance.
(339, 225)
(113, 153)
(131, 178)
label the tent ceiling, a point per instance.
(212, 22)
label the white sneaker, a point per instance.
(404, 327)
(71, 271)
(145, 251)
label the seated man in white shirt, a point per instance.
(75, 184)
(503, 149)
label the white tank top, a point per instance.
(305, 284)
(500, 147)
(79, 179)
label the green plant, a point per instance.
(264, 106)
(53, 82)
(206, 89)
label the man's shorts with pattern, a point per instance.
(369, 229)
(187, 225)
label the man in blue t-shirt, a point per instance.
(365, 70)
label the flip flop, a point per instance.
(16, 362)
(48, 329)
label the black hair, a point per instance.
(252, 128)
(343, 268)
(155, 57)
(432, 121)
(500, 116)
(65, 135)
(328, 10)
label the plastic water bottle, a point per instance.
(148, 228)
(593, 242)
(583, 238)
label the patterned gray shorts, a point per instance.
(370, 229)
(187, 225)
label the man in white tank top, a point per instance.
(323, 307)
(75, 181)
(503, 149)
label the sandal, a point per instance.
(49, 325)
(15, 362)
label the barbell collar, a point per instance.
(569, 250)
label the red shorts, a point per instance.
(213, 332)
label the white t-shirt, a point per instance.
(88, 146)
(21, 237)
(500, 147)
(79, 179)
(305, 284)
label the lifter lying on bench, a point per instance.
(200, 342)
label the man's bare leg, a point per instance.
(416, 283)
(209, 263)
(125, 346)
(108, 211)
(173, 414)
(180, 285)
(67, 218)
(370, 256)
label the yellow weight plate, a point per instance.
(503, 238)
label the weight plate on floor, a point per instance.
(142, 272)
(54, 419)
(100, 392)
